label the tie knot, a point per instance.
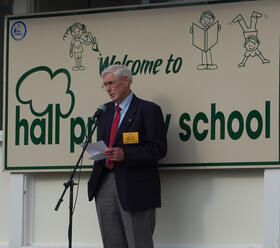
(118, 108)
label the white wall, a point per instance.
(4, 202)
(211, 207)
(200, 207)
(85, 226)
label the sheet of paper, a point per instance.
(96, 150)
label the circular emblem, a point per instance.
(18, 30)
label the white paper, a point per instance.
(96, 150)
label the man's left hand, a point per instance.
(114, 154)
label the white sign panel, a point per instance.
(213, 69)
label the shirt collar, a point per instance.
(124, 105)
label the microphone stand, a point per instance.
(70, 183)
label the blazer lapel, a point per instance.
(108, 123)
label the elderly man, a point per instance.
(126, 185)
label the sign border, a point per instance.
(219, 165)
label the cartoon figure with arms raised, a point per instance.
(204, 38)
(250, 34)
(80, 37)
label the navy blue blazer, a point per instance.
(137, 177)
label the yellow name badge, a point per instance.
(131, 138)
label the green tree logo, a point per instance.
(48, 94)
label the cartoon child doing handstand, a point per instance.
(80, 37)
(252, 42)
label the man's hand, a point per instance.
(114, 154)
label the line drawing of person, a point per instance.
(207, 40)
(80, 37)
(251, 45)
(250, 34)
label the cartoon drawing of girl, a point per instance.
(80, 36)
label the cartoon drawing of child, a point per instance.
(251, 44)
(250, 34)
(205, 37)
(80, 36)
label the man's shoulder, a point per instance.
(109, 105)
(147, 105)
(145, 102)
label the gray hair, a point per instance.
(119, 71)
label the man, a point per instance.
(126, 185)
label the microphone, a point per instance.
(99, 112)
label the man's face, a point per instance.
(117, 89)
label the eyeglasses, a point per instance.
(109, 84)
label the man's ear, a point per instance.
(126, 80)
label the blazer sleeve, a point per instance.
(153, 145)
